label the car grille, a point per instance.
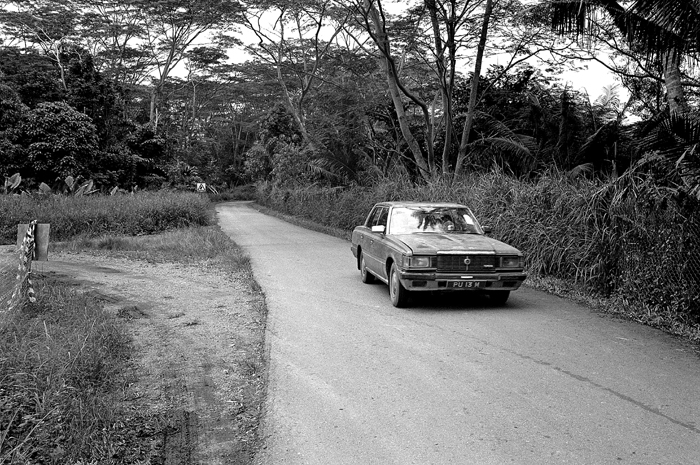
(456, 263)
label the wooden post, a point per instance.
(41, 240)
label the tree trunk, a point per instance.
(461, 155)
(152, 117)
(445, 86)
(382, 40)
(675, 95)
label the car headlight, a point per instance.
(512, 262)
(416, 262)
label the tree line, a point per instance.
(145, 94)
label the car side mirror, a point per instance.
(487, 229)
(379, 229)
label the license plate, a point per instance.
(465, 284)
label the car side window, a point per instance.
(372, 217)
(382, 217)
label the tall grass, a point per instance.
(61, 365)
(142, 213)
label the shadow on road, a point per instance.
(459, 301)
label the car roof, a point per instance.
(422, 204)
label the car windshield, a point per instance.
(409, 220)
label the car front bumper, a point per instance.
(501, 281)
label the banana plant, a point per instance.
(12, 183)
(85, 189)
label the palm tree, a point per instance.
(664, 31)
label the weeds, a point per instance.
(90, 216)
(62, 363)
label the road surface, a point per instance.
(353, 380)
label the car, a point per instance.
(422, 247)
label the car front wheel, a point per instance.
(367, 277)
(398, 293)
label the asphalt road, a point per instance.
(354, 380)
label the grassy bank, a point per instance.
(595, 238)
(130, 215)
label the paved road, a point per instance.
(354, 380)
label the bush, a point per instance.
(131, 215)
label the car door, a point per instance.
(365, 237)
(376, 251)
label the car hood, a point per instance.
(454, 242)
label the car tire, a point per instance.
(398, 293)
(499, 297)
(367, 276)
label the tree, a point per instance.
(31, 75)
(440, 36)
(51, 26)
(111, 30)
(170, 28)
(12, 111)
(660, 31)
(474, 89)
(374, 22)
(294, 45)
(58, 141)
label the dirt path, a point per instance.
(198, 348)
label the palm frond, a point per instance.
(329, 167)
(511, 146)
(606, 135)
(489, 127)
(579, 170)
(528, 142)
(669, 134)
(651, 35)
(680, 16)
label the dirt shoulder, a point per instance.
(198, 358)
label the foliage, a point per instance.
(115, 63)
(258, 163)
(139, 214)
(59, 142)
(291, 166)
(12, 183)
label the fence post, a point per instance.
(41, 240)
